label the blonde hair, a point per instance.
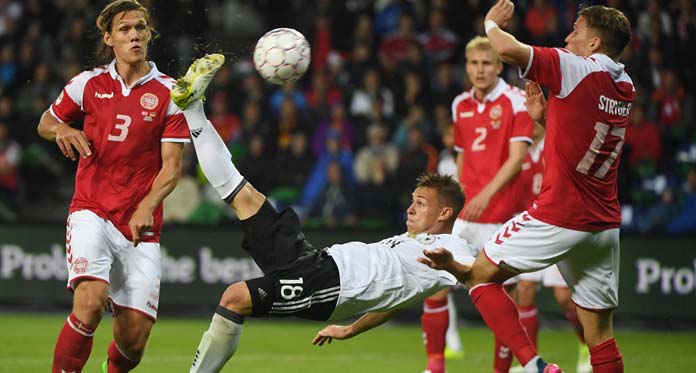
(105, 53)
(484, 44)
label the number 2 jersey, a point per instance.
(483, 131)
(386, 275)
(125, 128)
(588, 112)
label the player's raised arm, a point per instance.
(363, 324)
(508, 47)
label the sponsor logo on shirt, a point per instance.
(426, 240)
(149, 101)
(103, 95)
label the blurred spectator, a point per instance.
(668, 99)
(335, 123)
(686, 221)
(10, 156)
(394, 45)
(377, 152)
(376, 202)
(292, 168)
(335, 204)
(388, 14)
(541, 22)
(8, 67)
(658, 216)
(361, 102)
(444, 87)
(322, 95)
(416, 158)
(447, 162)
(438, 41)
(183, 201)
(256, 164)
(653, 14)
(289, 121)
(227, 124)
(363, 32)
(321, 44)
(416, 118)
(318, 177)
(642, 138)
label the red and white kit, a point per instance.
(577, 214)
(125, 128)
(483, 131)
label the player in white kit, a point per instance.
(375, 279)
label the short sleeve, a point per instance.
(175, 126)
(522, 127)
(66, 108)
(545, 68)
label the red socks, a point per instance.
(529, 317)
(500, 314)
(606, 358)
(73, 346)
(502, 360)
(118, 362)
(571, 314)
(434, 322)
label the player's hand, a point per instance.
(140, 223)
(70, 139)
(330, 333)
(439, 258)
(535, 102)
(501, 12)
(476, 207)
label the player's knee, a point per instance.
(90, 310)
(237, 298)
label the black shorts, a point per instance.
(300, 281)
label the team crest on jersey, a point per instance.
(60, 97)
(495, 114)
(80, 265)
(149, 101)
(426, 240)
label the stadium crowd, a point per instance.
(346, 142)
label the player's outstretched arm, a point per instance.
(363, 324)
(68, 139)
(508, 47)
(442, 259)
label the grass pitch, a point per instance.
(267, 346)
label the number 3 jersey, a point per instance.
(125, 128)
(589, 104)
(483, 131)
(386, 275)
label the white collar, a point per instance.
(144, 79)
(614, 68)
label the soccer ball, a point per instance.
(282, 55)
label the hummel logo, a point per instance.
(262, 294)
(196, 132)
(466, 114)
(103, 95)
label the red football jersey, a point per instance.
(589, 103)
(125, 127)
(483, 130)
(528, 182)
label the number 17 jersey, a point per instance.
(588, 112)
(125, 128)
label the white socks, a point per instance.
(214, 157)
(452, 340)
(217, 346)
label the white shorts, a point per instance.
(96, 250)
(477, 234)
(588, 261)
(550, 277)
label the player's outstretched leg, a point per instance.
(190, 87)
(213, 155)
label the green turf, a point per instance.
(28, 340)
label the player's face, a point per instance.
(483, 69)
(424, 212)
(581, 39)
(129, 37)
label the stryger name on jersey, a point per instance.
(614, 107)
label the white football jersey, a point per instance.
(385, 275)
